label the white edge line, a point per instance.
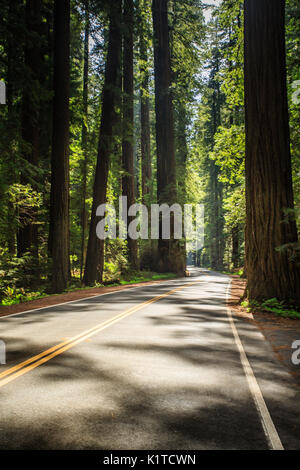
(260, 404)
(83, 299)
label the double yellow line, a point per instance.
(20, 369)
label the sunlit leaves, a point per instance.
(229, 153)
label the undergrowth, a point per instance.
(272, 306)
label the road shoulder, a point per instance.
(279, 332)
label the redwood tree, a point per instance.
(27, 237)
(59, 201)
(128, 184)
(145, 113)
(84, 134)
(95, 250)
(270, 270)
(171, 257)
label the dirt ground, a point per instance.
(279, 331)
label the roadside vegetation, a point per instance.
(272, 306)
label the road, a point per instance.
(152, 367)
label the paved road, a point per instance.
(155, 367)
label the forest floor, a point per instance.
(280, 332)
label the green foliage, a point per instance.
(116, 263)
(272, 306)
(230, 18)
(293, 75)
(26, 203)
(146, 276)
(17, 296)
(235, 207)
(229, 154)
(18, 276)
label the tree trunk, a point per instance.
(128, 114)
(182, 157)
(95, 250)
(235, 254)
(268, 161)
(170, 255)
(145, 121)
(59, 200)
(84, 137)
(14, 54)
(27, 237)
(216, 218)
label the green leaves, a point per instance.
(26, 203)
(229, 154)
(274, 306)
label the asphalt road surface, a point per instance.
(163, 366)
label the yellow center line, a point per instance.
(35, 361)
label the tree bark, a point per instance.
(216, 218)
(84, 138)
(14, 53)
(235, 254)
(59, 199)
(128, 115)
(269, 190)
(182, 156)
(145, 121)
(95, 250)
(170, 255)
(27, 237)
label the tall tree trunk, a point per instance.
(128, 115)
(269, 191)
(216, 218)
(145, 120)
(14, 54)
(95, 250)
(59, 199)
(27, 237)
(182, 156)
(145, 146)
(84, 138)
(235, 254)
(170, 255)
